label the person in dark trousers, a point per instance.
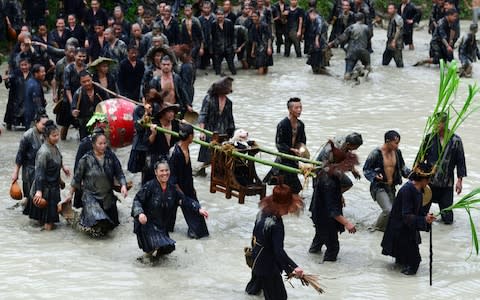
(384, 168)
(268, 254)
(468, 51)
(181, 175)
(443, 39)
(280, 13)
(327, 203)
(357, 37)
(394, 38)
(294, 29)
(130, 74)
(411, 15)
(443, 183)
(224, 44)
(290, 134)
(206, 21)
(409, 216)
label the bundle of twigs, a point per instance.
(469, 202)
(307, 280)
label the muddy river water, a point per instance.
(66, 264)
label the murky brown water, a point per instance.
(65, 263)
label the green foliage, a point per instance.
(449, 81)
(469, 202)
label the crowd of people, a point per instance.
(93, 54)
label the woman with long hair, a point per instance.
(95, 176)
(46, 187)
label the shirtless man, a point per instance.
(170, 85)
(384, 168)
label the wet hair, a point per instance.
(359, 17)
(185, 131)
(451, 12)
(36, 68)
(132, 46)
(96, 134)
(41, 114)
(220, 11)
(84, 73)
(80, 50)
(24, 58)
(206, 3)
(161, 162)
(391, 135)
(291, 101)
(187, 6)
(50, 127)
(166, 58)
(354, 139)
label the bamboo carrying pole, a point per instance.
(115, 94)
(283, 155)
(235, 153)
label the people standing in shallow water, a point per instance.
(468, 51)
(31, 141)
(327, 199)
(384, 168)
(216, 115)
(409, 216)
(261, 39)
(443, 182)
(95, 176)
(290, 134)
(181, 176)
(357, 36)
(48, 164)
(152, 209)
(268, 254)
(394, 38)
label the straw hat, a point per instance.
(302, 148)
(191, 117)
(16, 191)
(94, 64)
(282, 201)
(168, 106)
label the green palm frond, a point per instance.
(469, 202)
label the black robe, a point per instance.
(215, 121)
(96, 180)
(181, 174)
(407, 219)
(48, 163)
(283, 141)
(157, 205)
(270, 259)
